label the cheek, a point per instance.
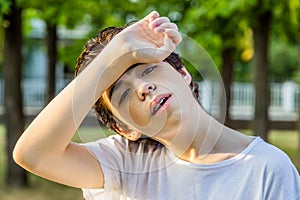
(138, 113)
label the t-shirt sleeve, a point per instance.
(109, 153)
(124, 164)
(283, 181)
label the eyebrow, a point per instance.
(123, 96)
(120, 82)
(151, 66)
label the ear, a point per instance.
(129, 134)
(133, 135)
(186, 75)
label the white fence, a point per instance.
(283, 98)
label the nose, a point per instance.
(145, 89)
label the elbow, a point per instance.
(22, 158)
(17, 155)
(29, 156)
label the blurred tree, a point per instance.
(261, 25)
(104, 13)
(285, 22)
(283, 47)
(12, 71)
(283, 61)
(96, 15)
(55, 13)
(224, 20)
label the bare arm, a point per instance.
(45, 148)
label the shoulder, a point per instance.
(272, 160)
(278, 172)
(269, 152)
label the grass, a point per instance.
(41, 189)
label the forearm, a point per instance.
(51, 132)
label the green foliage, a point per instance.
(243, 71)
(4, 9)
(69, 52)
(4, 6)
(283, 61)
(214, 24)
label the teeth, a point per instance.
(156, 108)
(161, 102)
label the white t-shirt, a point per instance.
(151, 172)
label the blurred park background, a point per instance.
(254, 43)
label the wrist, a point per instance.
(118, 53)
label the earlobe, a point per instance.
(133, 136)
(129, 134)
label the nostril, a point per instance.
(151, 87)
(145, 90)
(143, 96)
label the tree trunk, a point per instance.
(227, 74)
(261, 34)
(51, 54)
(12, 71)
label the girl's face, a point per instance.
(151, 97)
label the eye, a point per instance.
(124, 95)
(149, 70)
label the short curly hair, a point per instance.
(92, 48)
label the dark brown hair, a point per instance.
(92, 48)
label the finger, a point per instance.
(144, 22)
(164, 26)
(174, 35)
(158, 21)
(169, 26)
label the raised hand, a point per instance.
(151, 39)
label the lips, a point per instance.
(159, 103)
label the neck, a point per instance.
(202, 139)
(203, 135)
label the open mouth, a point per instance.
(160, 103)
